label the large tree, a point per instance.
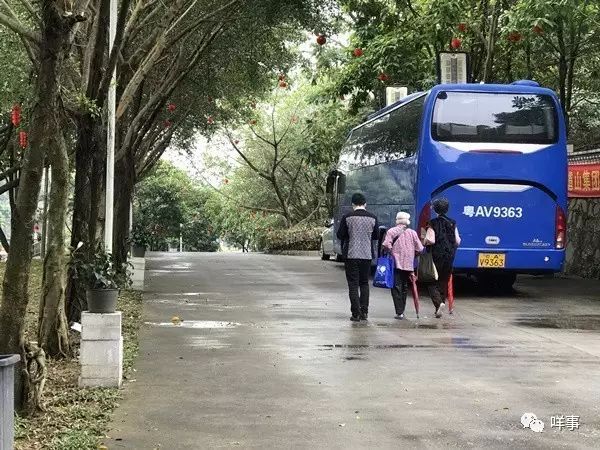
(48, 47)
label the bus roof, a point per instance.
(521, 86)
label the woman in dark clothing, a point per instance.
(442, 239)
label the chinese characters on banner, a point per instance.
(584, 180)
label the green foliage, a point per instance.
(15, 83)
(278, 186)
(168, 203)
(555, 42)
(101, 272)
(298, 238)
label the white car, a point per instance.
(326, 249)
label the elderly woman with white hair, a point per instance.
(404, 244)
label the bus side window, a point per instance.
(404, 129)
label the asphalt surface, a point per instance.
(265, 357)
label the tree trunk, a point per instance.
(88, 184)
(125, 173)
(4, 241)
(44, 126)
(52, 331)
(491, 44)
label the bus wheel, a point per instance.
(505, 282)
(501, 283)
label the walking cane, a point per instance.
(415, 293)
(450, 295)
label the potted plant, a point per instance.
(139, 241)
(102, 280)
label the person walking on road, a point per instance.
(357, 231)
(404, 244)
(442, 239)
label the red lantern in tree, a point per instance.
(171, 107)
(455, 43)
(22, 139)
(253, 122)
(514, 37)
(383, 77)
(321, 39)
(210, 120)
(210, 99)
(294, 119)
(358, 52)
(15, 115)
(226, 181)
(253, 105)
(538, 29)
(462, 27)
(236, 142)
(167, 123)
(283, 84)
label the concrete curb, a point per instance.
(295, 252)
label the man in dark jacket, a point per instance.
(357, 231)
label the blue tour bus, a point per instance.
(496, 152)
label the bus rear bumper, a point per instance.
(533, 261)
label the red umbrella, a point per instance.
(415, 293)
(450, 295)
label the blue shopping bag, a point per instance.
(384, 273)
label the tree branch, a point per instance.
(16, 26)
(260, 173)
(199, 22)
(116, 49)
(169, 84)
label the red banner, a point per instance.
(584, 180)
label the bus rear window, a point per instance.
(494, 118)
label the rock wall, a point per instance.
(583, 238)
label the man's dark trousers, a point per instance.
(357, 274)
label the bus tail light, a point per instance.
(424, 218)
(561, 228)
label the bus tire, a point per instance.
(339, 258)
(505, 282)
(495, 283)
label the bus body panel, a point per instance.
(481, 183)
(512, 218)
(533, 179)
(388, 187)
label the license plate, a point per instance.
(491, 260)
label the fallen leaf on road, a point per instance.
(342, 424)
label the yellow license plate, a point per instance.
(491, 260)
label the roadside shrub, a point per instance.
(305, 238)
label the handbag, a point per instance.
(427, 271)
(384, 273)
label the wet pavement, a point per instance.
(256, 351)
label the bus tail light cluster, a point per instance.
(424, 218)
(561, 228)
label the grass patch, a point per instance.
(75, 418)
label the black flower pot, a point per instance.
(138, 251)
(102, 301)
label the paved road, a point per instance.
(266, 358)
